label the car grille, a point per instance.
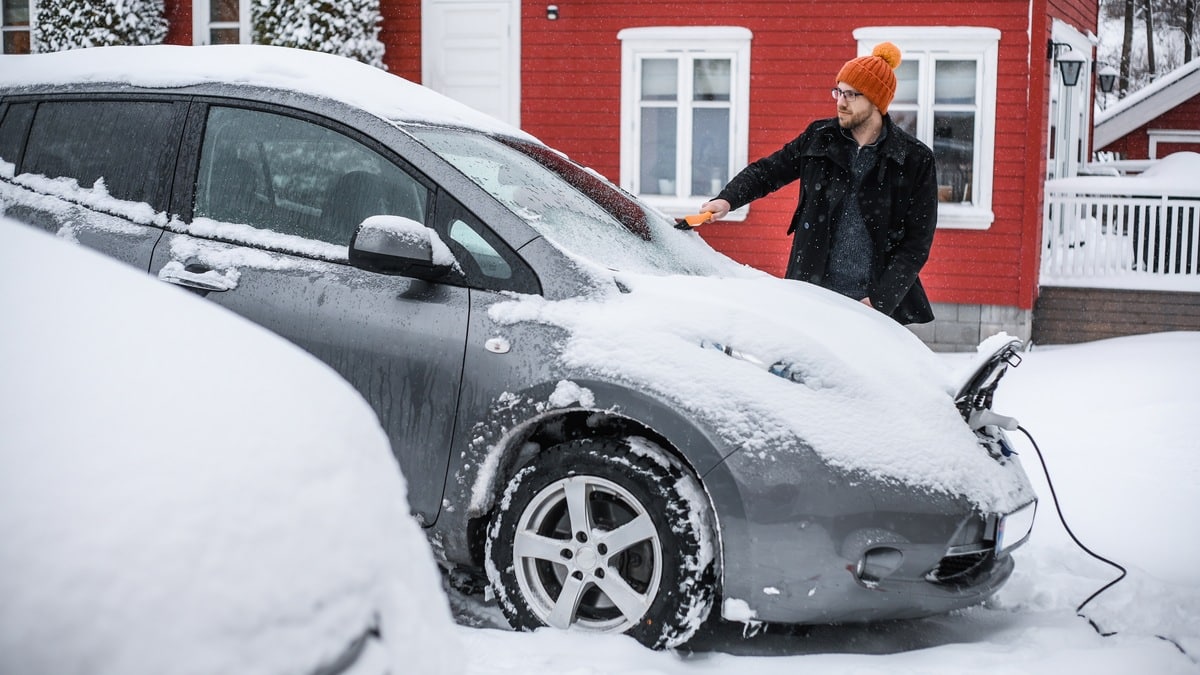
(962, 568)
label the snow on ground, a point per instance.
(1112, 420)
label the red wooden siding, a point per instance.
(1136, 144)
(179, 22)
(571, 99)
(400, 34)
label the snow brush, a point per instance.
(692, 222)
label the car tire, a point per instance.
(604, 535)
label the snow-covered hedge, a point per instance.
(343, 27)
(71, 24)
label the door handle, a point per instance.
(199, 277)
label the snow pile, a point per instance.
(1173, 175)
(182, 491)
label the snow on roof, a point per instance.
(327, 75)
(1129, 113)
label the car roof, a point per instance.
(283, 68)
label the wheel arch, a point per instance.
(522, 426)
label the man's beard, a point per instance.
(854, 121)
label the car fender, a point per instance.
(520, 424)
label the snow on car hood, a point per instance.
(871, 397)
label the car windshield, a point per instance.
(574, 208)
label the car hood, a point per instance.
(775, 367)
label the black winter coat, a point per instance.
(898, 200)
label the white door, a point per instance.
(471, 52)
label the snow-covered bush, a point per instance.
(71, 24)
(343, 27)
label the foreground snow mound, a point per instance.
(183, 492)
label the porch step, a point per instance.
(1064, 315)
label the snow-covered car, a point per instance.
(600, 418)
(182, 491)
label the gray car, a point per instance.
(600, 418)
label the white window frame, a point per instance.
(684, 43)
(201, 25)
(926, 44)
(1173, 136)
(28, 28)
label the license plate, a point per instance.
(1015, 527)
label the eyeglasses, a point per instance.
(848, 94)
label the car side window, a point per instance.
(486, 261)
(128, 145)
(295, 177)
(13, 129)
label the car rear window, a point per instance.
(129, 145)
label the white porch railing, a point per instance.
(1113, 238)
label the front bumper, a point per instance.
(823, 548)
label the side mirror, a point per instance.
(398, 245)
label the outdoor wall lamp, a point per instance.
(552, 12)
(1070, 63)
(1108, 78)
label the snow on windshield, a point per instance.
(605, 227)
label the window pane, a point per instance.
(16, 12)
(711, 80)
(907, 75)
(290, 176)
(660, 79)
(16, 42)
(710, 150)
(954, 82)
(124, 143)
(224, 36)
(659, 145)
(905, 119)
(223, 10)
(954, 149)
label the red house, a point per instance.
(1162, 118)
(671, 98)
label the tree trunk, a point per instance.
(1126, 50)
(1189, 27)
(1150, 40)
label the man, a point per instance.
(868, 199)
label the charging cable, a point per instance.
(1063, 520)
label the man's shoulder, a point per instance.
(822, 126)
(905, 143)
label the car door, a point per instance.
(94, 169)
(277, 195)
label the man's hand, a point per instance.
(867, 302)
(718, 207)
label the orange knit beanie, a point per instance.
(874, 75)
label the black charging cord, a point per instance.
(1080, 544)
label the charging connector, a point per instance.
(982, 418)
